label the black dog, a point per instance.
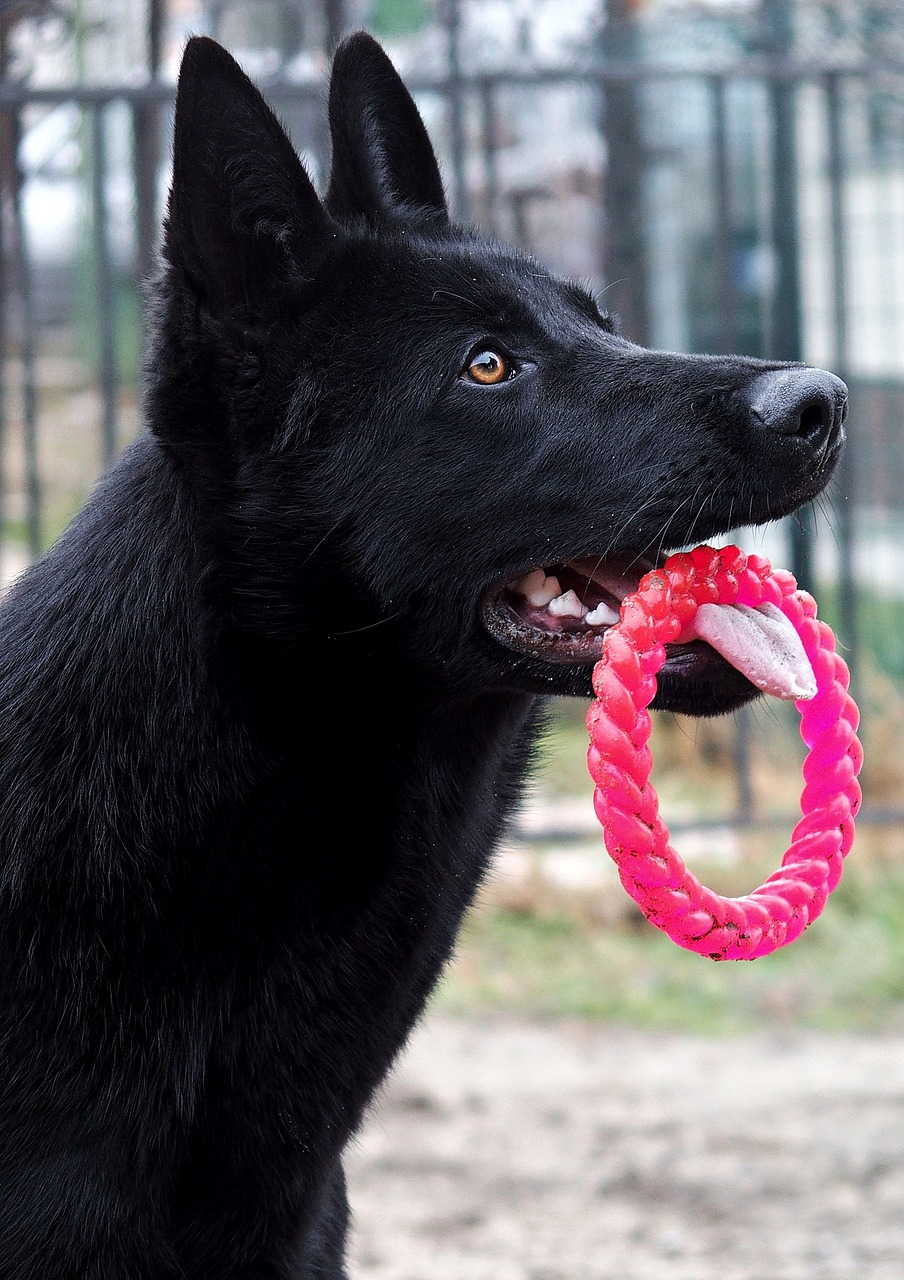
(266, 706)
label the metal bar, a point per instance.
(27, 352)
(7, 183)
(727, 304)
(146, 147)
(145, 144)
(489, 136)
(106, 301)
(519, 202)
(786, 326)
(726, 300)
(746, 801)
(802, 536)
(625, 263)
(868, 816)
(334, 17)
(153, 91)
(6, 169)
(786, 319)
(847, 586)
(154, 30)
(455, 97)
(610, 72)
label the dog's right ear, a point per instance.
(243, 215)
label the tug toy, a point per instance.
(767, 628)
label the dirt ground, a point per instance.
(505, 1150)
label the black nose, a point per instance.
(807, 404)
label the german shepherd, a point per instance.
(267, 704)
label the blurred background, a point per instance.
(727, 175)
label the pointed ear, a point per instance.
(384, 167)
(243, 215)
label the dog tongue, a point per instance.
(762, 644)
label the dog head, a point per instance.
(407, 438)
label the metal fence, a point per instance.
(755, 205)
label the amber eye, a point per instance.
(488, 367)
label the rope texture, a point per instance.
(624, 681)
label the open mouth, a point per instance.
(560, 613)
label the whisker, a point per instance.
(353, 631)
(317, 545)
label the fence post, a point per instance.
(27, 350)
(847, 593)
(106, 297)
(786, 336)
(7, 180)
(456, 101)
(489, 129)
(727, 301)
(334, 22)
(624, 257)
(146, 126)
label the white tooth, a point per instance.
(602, 616)
(543, 594)
(567, 606)
(530, 582)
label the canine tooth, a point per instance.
(567, 606)
(543, 594)
(530, 583)
(602, 616)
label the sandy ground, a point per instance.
(515, 1151)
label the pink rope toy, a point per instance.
(661, 610)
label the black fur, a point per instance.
(256, 744)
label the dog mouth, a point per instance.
(559, 613)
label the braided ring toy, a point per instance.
(624, 681)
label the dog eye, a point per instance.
(489, 367)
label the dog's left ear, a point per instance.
(243, 216)
(384, 166)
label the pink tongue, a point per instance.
(762, 644)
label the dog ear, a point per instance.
(384, 166)
(243, 214)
